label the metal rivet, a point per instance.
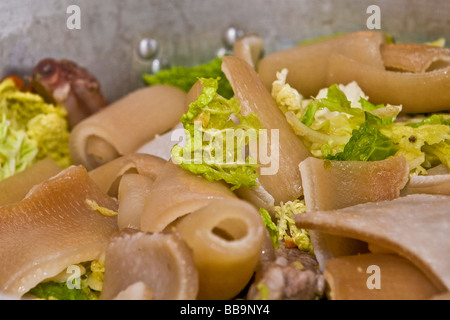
(158, 65)
(230, 36)
(222, 52)
(148, 48)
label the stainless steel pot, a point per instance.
(188, 31)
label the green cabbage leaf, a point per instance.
(216, 138)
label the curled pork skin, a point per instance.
(415, 76)
(226, 238)
(108, 176)
(16, 187)
(364, 182)
(161, 262)
(51, 229)
(415, 227)
(126, 125)
(282, 179)
(177, 192)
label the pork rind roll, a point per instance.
(417, 92)
(416, 76)
(129, 178)
(226, 238)
(308, 64)
(177, 192)
(143, 266)
(108, 176)
(126, 125)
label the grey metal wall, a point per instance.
(188, 31)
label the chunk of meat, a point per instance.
(65, 82)
(291, 275)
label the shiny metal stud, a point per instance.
(222, 52)
(158, 64)
(230, 36)
(148, 48)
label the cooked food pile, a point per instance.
(313, 172)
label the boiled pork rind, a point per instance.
(127, 124)
(416, 227)
(349, 278)
(108, 175)
(16, 187)
(365, 57)
(52, 228)
(226, 238)
(432, 184)
(330, 185)
(162, 262)
(284, 184)
(177, 192)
